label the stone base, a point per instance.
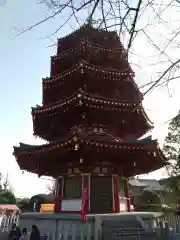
(99, 226)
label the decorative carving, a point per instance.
(73, 171)
(96, 170)
(76, 170)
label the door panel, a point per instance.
(101, 195)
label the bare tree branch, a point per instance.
(134, 23)
(161, 77)
(131, 21)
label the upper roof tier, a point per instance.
(89, 56)
(94, 62)
(86, 151)
(94, 80)
(98, 37)
(112, 58)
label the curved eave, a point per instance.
(80, 100)
(28, 157)
(83, 98)
(82, 66)
(86, 45)
(84, 29)
(94, 140)
(145, 116)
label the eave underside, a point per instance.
(108, 58)
(55, 120)
(106, 73)
(122, 88)
(128, 159)
(55, 127)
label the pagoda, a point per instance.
(93, 121)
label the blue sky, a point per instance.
(24, 61)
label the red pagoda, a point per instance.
(92, 118)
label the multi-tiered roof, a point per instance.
(91, 111)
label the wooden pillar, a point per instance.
(85, 187)
(119, 195)
(116, 194)
(60, 187)
(58, 193)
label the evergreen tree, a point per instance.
(172, 152)
(172, 146)
(6, 194)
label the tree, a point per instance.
(172, 152)
(135, 22)
(51, 188)
(24, 204)
(172, 146)
(6, 194)
(7, 197)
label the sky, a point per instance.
(24, 61)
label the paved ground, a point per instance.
(3, 235)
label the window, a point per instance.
(73, 187)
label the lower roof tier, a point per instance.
(125, 158)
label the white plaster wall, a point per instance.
(123, 205)
(71, 205)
